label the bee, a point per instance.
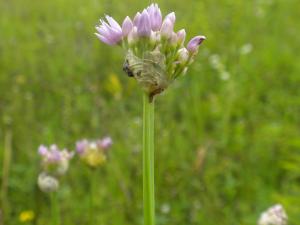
(127, 69)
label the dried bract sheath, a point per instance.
(149, 71)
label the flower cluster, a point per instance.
(156, 55)
(94, 153)
(275, 215)
(55, 163)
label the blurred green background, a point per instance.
(228, 133)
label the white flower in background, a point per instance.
(47, 183)
(275, 215)
(216, 63)
(246, 49)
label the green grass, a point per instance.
(55, 87)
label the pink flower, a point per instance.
(111, 33)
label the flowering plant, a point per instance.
(155, 54)
(155, 57)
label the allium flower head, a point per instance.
(54, 160)
(155, 53)
(275, 215)
(94, 153)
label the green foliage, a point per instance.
(227, 133)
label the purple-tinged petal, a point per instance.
(194, 43)
(136, 19)
(144, 26)
(127, 26)
(104, 39)
(167, 28)
(113, 23)
(171, 16)
(155, 17)
(110, 33)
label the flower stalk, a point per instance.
(55, 215)
(148, 161)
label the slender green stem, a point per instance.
(148, 161)
(7, 157)
(55, 215)
(93, 188)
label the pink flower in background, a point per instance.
(93, 153)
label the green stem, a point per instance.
(7, 157)
(55, 216)
(93, 178)
(148, 161)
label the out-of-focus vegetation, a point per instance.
(228, 133)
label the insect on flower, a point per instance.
(155, 54)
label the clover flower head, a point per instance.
(155, 53)
(275, 215)
(94, 153)
(54, 160)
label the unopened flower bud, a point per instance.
(183, 55)
(171, 16)
(136, 18)
(193, 45)
(127, 26)
(47, 183)
(144, 25)
(167, 28)
(155, 17)
(181, 36)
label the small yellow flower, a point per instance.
(113, 86)
(26, 216)
(94, 158)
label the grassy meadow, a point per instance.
(227, 133)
